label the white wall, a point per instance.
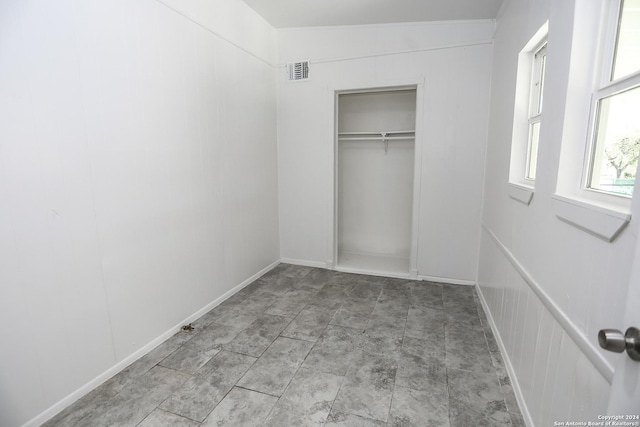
(138, 179)
(549, 286)
(453, 61)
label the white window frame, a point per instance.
(535, 103)
(599, 213)
(527, 97)
(605, 88)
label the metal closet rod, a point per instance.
(381, 133)
(377, 136)
(374, 138)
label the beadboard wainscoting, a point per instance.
(557, 373)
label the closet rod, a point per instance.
(374, 138)
(391, 132)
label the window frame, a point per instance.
(521, 185)
(600, 214)
(605, 87)
(539, 59)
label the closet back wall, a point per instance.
(453, 61)
(375, 180)
(138, 180)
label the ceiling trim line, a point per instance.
(387, 24)
(399, 52)
(218, 35)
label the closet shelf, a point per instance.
(374, 138)
(378, 132)
(392, 135)
(377, 135)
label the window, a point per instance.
(615, 140)
(527, 117)
(601, 121)
(535, 109)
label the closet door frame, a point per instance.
(333, 94)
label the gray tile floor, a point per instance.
(303, 346)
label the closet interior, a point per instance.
(375, 178)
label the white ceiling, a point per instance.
(312, 13)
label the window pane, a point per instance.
(537, 81)
(617, 146)
(627, 53)
(541, 58)
(532, 155)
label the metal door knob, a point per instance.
(613, 340)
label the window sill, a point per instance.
(521, 193)
(602, 222)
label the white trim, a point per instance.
(537, 79)
(521, 193)
(416, 84)
(537, 40)
(584, 344)
(304, 263)
(366, 272)
(586, 191)
(378, 86)
(526, 95)
(604, 88)
(602, 222)
(418, 161)
(121, 365)
(401, 52)
(219, 35)
(332, 180)
(388, 24)
(446, 280)
(515, 385)
(608, 34)
(412, 275)
(623, 84)
(588, 63)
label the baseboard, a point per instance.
(115, 369)
(374, 273)
(515, 385)
(412, 275)
(447, 280)
(304, 263)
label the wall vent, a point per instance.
(298, 71)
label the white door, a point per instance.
(625, 390)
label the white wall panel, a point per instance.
(456, 101)
(553, 377)
(559, 285)
(456, 90)
(138, 178)
(303, 162)
(369, 223)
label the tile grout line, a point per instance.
(289, 383)
(230, 388)
(334, 294)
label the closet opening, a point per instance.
(375, 157)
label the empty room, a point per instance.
(319, 213)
